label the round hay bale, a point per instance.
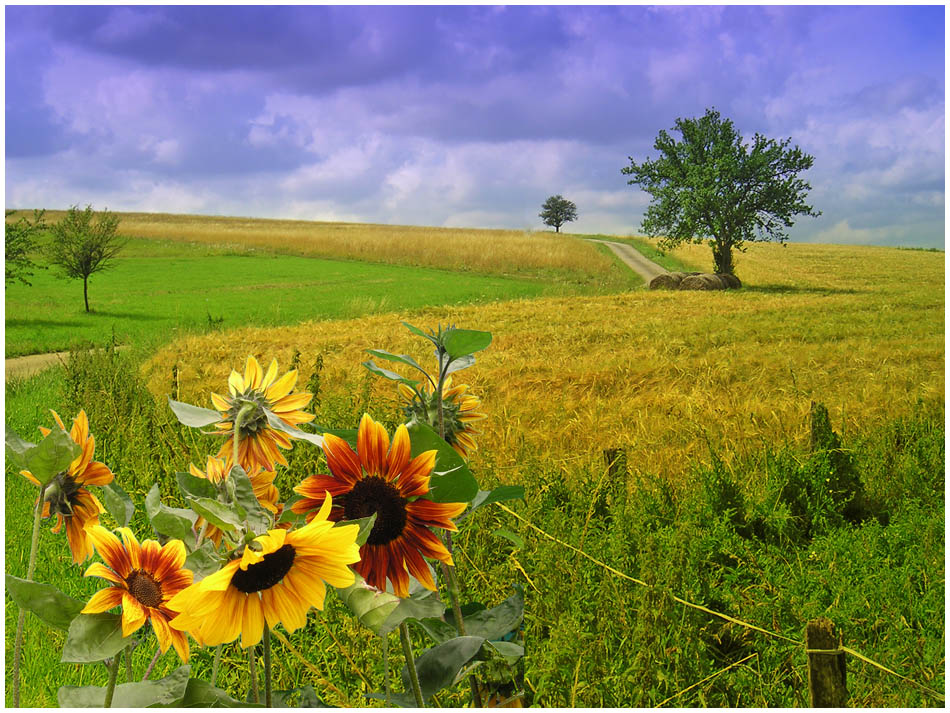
(667, 281)
(702, 282)
(731, 281)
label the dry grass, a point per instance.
(512, 252)
(859, 329)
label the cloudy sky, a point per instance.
(466, 116)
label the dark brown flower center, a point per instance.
(144, 587)
(266, 573)
(375, 495)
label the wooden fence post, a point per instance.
(827, 684)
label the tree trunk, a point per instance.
(85, 291)
(722, 257)
(557, 228)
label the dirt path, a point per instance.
(647, 269)
(25, 366)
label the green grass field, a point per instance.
(725, 495)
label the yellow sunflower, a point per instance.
(460, 410)
(145, 577)
(277, 579)
(258, 441)
(66, 495)
(383, 479)
(262, 481)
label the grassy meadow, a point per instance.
(729, 491)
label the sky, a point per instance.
(467, 116)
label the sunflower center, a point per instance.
(62, 494)
(255, 421)
(375, 495)
(144, 587)
(266, 573)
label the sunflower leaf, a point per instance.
(501, 494)
(419, 332)
(275, 422)
(308, 698)
(453, 482)
(459, 363)
(194, 416)
(203, 561)
(371, 606)
(420, 604)
(17, 449)
(177, 523)
(438, 630)
(44, 600)
(439, 666)
(464, 342)
(216, 513)
(197, 487)
(399, 358)
(201, 694)
(495, 623)
(249, 508)
(94, 637)
(118, 503)
(507, 650)
(366, 527)
(514, 538)
(168, 691)
(46, 459)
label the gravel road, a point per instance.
(647, 269)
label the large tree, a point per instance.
(556, 211)
(85, 242)
(19, 245)
(713, 185)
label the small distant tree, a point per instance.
(85, 242)
(19, 245)
(712, 185)
(556, 211)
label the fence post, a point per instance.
(827, 684)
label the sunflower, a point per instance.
(144, 578)
(459, 412)
(382, 479)
(262, 481)
(66, 495)
(258, 441)
(276, 580)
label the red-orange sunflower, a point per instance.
(258, 441)
(66, 495)
(144, 578)
(262, 481)
(460, 410)
(383, 479)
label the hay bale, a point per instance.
(667, 281)
(702, 282)
(732, 282)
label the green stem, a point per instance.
(386, 669)
(151, 665)
(267, 679)
(31, 566)
(252, 667)
(411, 664)
(113, 675)
(238, 420)
(214, 666)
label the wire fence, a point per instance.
(739, 622)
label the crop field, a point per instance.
(673, 438)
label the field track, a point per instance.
(647, 269)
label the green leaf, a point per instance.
(258, 518)
(201, 694)
(197, 487)
(217, 513)
(177, 523)
(493, 624)
(399, 358)
(515, 539)
(439, 666)
(275, 422)
(459, 364)
(507, 650)
(366, 527)
(203, 561)
(194, 416)
(386, 373)
(438, 629)
(44, 600)
(501, 494)
(118, 503)
(420, 333)
(94, 637)
(308, 698)
(453, 482)
(371, 606)
(168, 691)
(464, 342)
(420, 604)
(47, 459)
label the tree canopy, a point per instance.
(19, 244)
(556, 211)
(712, 185)
(85, 242)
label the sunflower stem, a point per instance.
(113, 675)
(214, 666)
(386, 669)
(238, 420)
(252, 668)
(148, 671)
(31, 566)
(411, 664)
(267, 679)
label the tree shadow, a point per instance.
(128, 315)
(42, 323)
(801, 290)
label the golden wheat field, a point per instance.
(477, 250)
(661, 374)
